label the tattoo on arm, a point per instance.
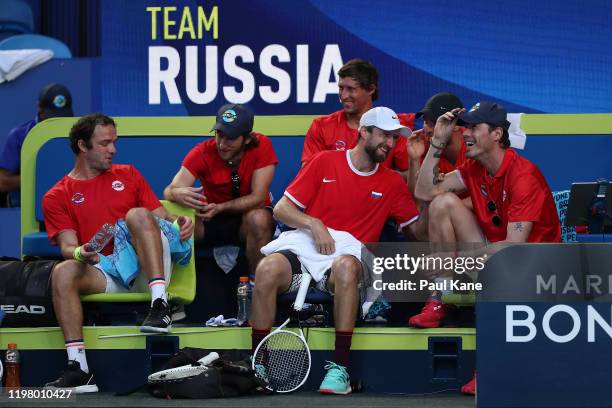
(518, 226)
(436, 175)
(437, 153)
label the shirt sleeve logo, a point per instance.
(340, 145)
(376, 194)
(78, 198)
(118, 185)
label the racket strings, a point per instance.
(286, 360)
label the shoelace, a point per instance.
(336, 372)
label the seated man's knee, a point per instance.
(138, 216)
(269, 273)
(66, 274)
(346, 270)
(443, 204)
(259, 222)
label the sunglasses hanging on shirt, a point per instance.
(235, 178)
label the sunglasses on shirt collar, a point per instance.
(496, 220)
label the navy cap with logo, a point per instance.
(485, 112)
(55, 101)
(234, 120)
(438, 105)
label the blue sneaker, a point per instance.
(336, 380)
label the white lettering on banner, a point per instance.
(232, 69)
(267, 68)
(528, 322)
(166, 64)
(157, 76)
(211, 84)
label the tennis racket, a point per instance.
(282, 359)
(177, 374)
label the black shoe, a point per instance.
(177, 312)
(74, 377)
(159, 319)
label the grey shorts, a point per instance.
(296, 275)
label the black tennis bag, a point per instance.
(231, 376)
(25, 293)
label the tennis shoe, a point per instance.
(470, 387)
(336, 380)
(432, 314)
(74, 377)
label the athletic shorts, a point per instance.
(141, 283)
(296, 275)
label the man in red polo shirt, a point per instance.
(236, 169)
(357, 89)
(453, 154)
(510, 199)
(346, 191)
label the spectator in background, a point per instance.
(54, 101)
(453, 154)
(357, 89)
(510, 199)
(93, 193)
(236, 169)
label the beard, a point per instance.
(374, 154)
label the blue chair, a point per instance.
(29, 41)
(15, 18)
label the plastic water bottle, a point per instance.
(12, 360)
(243, 295)
(101, 238)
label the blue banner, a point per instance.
(189, 57)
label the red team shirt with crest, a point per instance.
(520, 193)
(85, 205)
(329, 188)
(204, 163)
(332, 132)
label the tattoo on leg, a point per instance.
(518, 226)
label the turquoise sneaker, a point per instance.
(336, 380)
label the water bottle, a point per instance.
(101, 238)
(243, 295)
(11, 366)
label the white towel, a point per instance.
(301, 243)
(518, 138)
(15, 62)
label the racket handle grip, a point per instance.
(302, 291)
(209, 358)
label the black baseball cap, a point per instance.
(439, 104)
(55, 101)
(234, 120)
(485, 112)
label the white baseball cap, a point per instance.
(385, 119)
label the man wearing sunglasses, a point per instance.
(235, 169)
(510, 199)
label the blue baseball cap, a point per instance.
(485, 112)
(234, 120)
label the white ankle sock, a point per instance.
(76, 351)
(158, 289)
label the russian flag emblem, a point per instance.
(376, 194)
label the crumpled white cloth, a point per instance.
(518, 138)
(15, 62)
(301, 243)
